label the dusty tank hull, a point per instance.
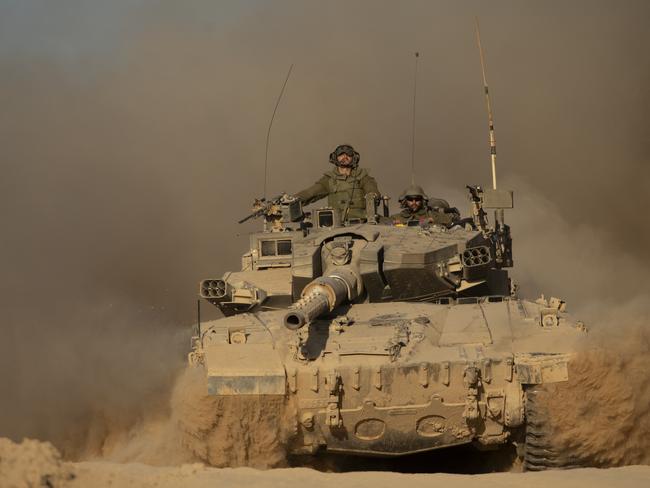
(385, 340)
(392, 379)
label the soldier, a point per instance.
(345, 187)
(418, 208)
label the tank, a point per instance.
(386, 340)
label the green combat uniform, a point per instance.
(425, 215)
(433, 211)
(342, 192)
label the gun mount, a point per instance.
(498, 200)
(277, 212)
(321, 296)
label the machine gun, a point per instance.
(276, 211)
(478, 214)
(262, 206)
(499, 235)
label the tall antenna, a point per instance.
(493, 143)
(268, 133)
(415, 90)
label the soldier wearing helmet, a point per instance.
(345, 187)
(418, 208)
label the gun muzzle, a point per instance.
(321, 296)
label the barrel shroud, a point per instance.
(321, 296)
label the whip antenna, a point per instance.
(268, 133)
(415, 87)
(493, 144)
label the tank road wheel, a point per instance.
(540, 451)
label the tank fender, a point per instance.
(244, 369)
(535, 369)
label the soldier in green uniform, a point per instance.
(418, 208)
(345, 187)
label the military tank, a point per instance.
(383, 339)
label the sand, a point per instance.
(38, 464)
(196, 476)
(33, 464)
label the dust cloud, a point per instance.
(196, 427)
(231, 431)
(601, 416)
(32, 463)
(133, 139)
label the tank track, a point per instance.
(540, 452)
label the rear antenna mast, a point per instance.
(268, 132)
(415, 90)
(498, 214)
(493, 143)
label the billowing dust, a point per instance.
(219, 431)
(32, 464)
(602, 415)
(229, 431)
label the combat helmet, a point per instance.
(413, 191)
(345, 149)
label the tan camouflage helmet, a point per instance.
(413, 191)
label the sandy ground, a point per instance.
(33, 464)
(103, 474)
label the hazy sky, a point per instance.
(132, 136)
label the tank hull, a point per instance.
(391, 379)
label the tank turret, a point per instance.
(390, 263)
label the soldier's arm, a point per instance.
(369, 185)
(314, 193)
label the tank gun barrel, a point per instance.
(321, 296)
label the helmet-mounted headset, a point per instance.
(345, 149)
